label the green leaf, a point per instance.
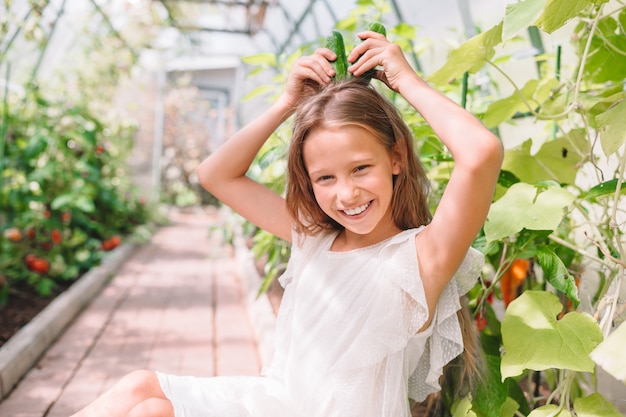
(491, 394)
(612, 128)
(558, 160)
(607, 187)
(550, 410)
(503, 109)
(463, 408)
(471, 56)
(610, 353)
(64, 200)
(534, 339)
(258, 91)
(404, 30)
(595, 405)
(36, 145)
(556, 273)
(264, 58)
(558, 12)
(85, 204)
(509, 408)
(507, 178)
(521, 15)
(604, 62)
(523, 206)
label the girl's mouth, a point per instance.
(357, 210)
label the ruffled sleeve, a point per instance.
(299, 242)
(446, 341)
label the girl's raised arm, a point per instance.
(476, 151)
(223, 173)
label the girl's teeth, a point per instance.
(357, 210)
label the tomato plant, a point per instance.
(64, 182)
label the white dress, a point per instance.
(346, 337)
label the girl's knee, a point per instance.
(153, 407)
(141, 385)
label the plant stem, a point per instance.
(3, 132)
(45, 46)
(12, 39)
(576, 249)
(583, 58)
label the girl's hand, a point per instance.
(312, 71)
(375, 51)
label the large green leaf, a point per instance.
(610, 353)
(558, 160)
(534, 339)
(605, 61)
(595, 405)
(521, 15)
(555, 272)
(524, 206)
(612, 127)
(503, 109)
(471, 56)
(532, 95)
(558, 12)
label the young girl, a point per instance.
(369, 314)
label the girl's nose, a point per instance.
(347, 191)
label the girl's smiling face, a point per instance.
(352, 177)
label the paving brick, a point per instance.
(176, 305)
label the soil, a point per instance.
(23, 305)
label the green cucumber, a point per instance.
(378, 28)
(334, 42)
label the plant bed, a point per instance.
(23, 305)
(29, 340)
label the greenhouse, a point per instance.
(312, 208)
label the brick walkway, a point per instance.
(177, 305)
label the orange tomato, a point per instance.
(111, 243)
(512, 279)
(13, 234)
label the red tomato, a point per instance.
(40, 266)
(56, 236)
(28, 260)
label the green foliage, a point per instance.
(559, 205)
(63, 190)
(65, 193)
(534, 339)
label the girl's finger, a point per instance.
(364, 62)
(316, 71)
(370, 34)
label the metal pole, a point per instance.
(157, 146)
